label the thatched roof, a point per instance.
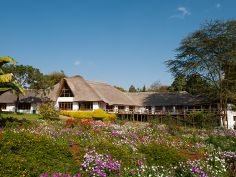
(110, 94)
(81, 90)
(164, 99)
(31, 96)
(91, 91)
(84, 90)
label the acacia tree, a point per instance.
(211, 53)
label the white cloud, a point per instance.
(218, 5)
(182, 13)
(77, 62)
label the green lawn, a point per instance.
(20, 115)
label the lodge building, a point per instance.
(75, 93)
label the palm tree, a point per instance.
(6, 79)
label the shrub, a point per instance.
(96, 114)
(158, 154)
(48, 111)
(119, 152)
(24, 154)
(13, 122)
(203, 119)
(223, 142)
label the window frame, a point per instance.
(66, 106)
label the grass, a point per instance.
(19, 115)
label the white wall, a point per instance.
(95, 105)
(75, 106)
(230, 116)
(115, 108)
(65, 99)
(10, 107)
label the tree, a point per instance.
(26, 76)
(6, 79)
(144, 89)
(179, 83)
(210, 52)
(120, 88)
(49, 80)
(155, 86)
(196, 85)
(132, 89)
(158, 87)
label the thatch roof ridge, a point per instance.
(81, 89)
(110, 94)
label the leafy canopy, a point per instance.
(6, 79)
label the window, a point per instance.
(66, 91)
(121, 107)
(109, 107)
(24, 106)
(131, 108)
(158, 108)
(86, 105)
(65, 105)
(234, 118)
(3, 106)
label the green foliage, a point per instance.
(6, 78)
(97, 114)
(203, 119)
(197, 85)
(20, 116)
(26, 76)
(13, 122)
(48, 111)
(24, 154)
(210, 53)
(223, 142)
(132, 89)
(49, 80)
(119, 152)
(158, 154)
(179, 83)
(120, 88)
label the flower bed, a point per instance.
(96, 148)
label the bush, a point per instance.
(24, 154)
(98, 114)
(48, 111)
(158, 154)
(203, 119)
(13, 122)
(223, 142)
(119, 152)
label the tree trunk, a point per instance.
(17, 103)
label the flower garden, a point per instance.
(82, 148)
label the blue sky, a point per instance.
(121, 42)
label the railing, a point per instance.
(162, 112)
